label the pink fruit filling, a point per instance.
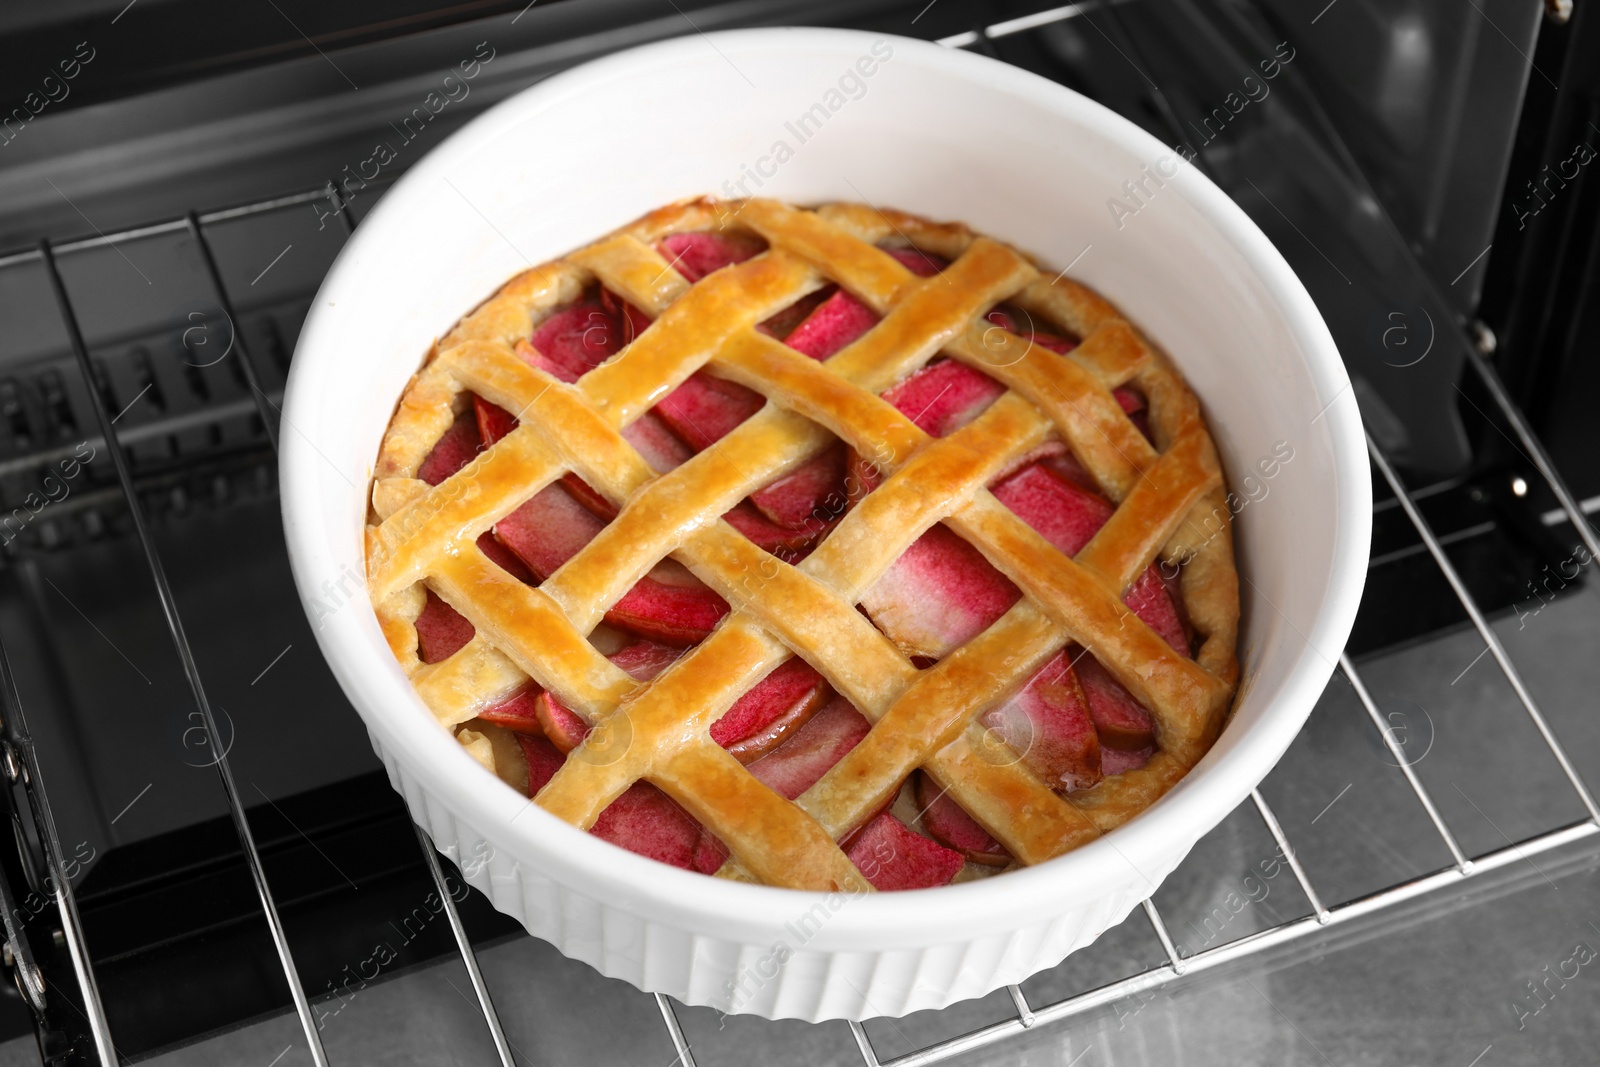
(1072, 723)
(694, 255)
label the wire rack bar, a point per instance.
(870, 1057)
(1020, 1002)
(468, 957)
(154, 430)
(1489, 637)
(1268, 817)
(685, 1057)
(66, 899)
(1022, 24)
(247, 363)
(1159, 925)
(191, 669)
(79, 244)
(1405, 764)
(1159, 977)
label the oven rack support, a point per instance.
(1027, 1016)
(191, 669)
(105, 1049)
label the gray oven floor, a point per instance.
(1447, 982)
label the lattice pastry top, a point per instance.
(826, 549)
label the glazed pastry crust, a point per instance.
(1169, 500)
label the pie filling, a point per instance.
(1072, 723)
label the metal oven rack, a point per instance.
(21, 765)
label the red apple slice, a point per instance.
(1019, 322)
(1150, 599)
(1068, 516)
(694, 255)
(1118, 761)
(783, 323)
(544, 760)
(944, 396)
(494, 421)
(648, 434)
(560, 723)
(460, 443)
(576, 339)
(704, 409)
(656, 443)
(836, 322)
(940, 398)
(1065, 514)
(758, 722)
(668, 604)
(632, 320)
(503, 558)
(1047, 722)
(793, 767)
(674, 614)
(945, 820)
(861, 476)
(1137, 411)
(1121, 722)
(643, 660)
(893, 856)
(770, 713)
(922, 264)
(589, 497)
(646, 821)
(1064, 463)
(709, 853)
(764, 532)
(938, 595)
(809, 497)
(643, 819)
(519, 712)
(441, 630)
(548, 529)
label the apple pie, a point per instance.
(835, 549)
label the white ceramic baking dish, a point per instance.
(941, 133)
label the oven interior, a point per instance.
(170, 219)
